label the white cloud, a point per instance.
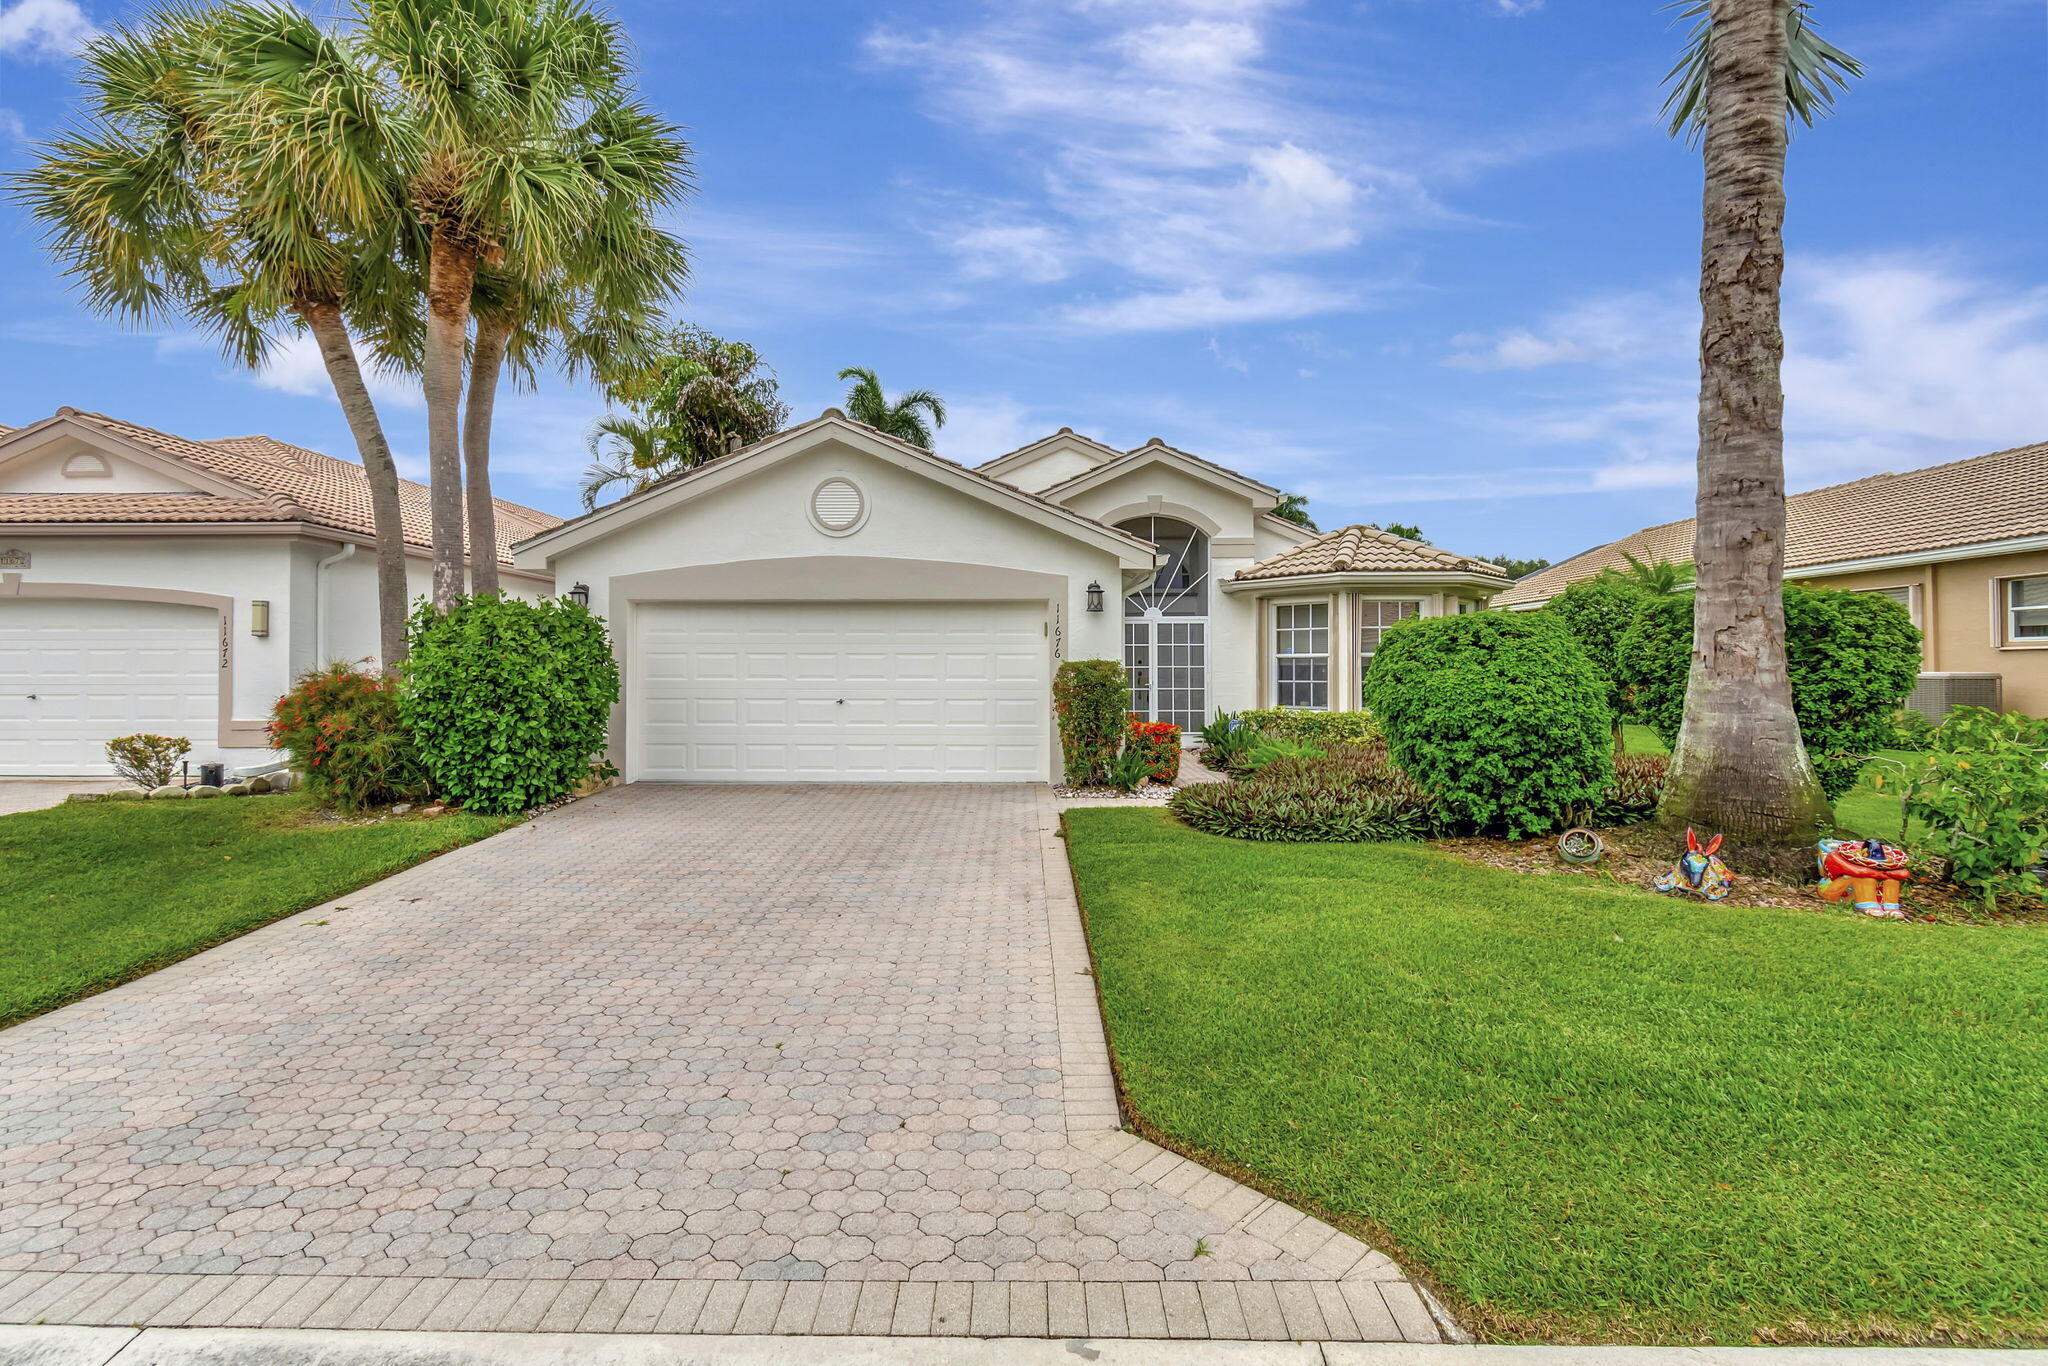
(12, 129)
(294, 366)
(1163, 154)
(979, 429)
(1892, 362)
(44, 29)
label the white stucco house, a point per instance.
(154, 583)
(831, 604)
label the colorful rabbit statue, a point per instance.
(1697, 871)
(1870, 869)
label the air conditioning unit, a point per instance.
(1936, 694)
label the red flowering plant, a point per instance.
(342, 728)
(1159, 742)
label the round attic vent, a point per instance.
(838, 507)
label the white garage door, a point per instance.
(77, 672)
(843, 692)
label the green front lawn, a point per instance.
(1591, 1113)
(98, 893)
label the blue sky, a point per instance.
(1428, 261)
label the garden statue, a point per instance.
(1698, 871)
(1871, 869)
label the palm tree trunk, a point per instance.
(323, 319)
(485, 364)
(1740, 767)
(451, 272)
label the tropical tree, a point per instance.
(1405, 532)
(700, 397)
(1739, 766)
(506, 106)
(912, 417)
(1519, 567)
(234, 170)
(1293, 507)
(1651, 576)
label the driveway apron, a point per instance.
(666, 1034)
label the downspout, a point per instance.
(319, 602)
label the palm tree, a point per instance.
(499, 100)
(913, 417)
(1739, 766)
(629, 450)
(1293, 507)
(1651, 576)
(240, 192)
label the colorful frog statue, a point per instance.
(1871, 869)
(1697, 871)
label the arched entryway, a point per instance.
(1166, 625)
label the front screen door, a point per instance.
(1168, 662)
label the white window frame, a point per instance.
(1364, 659)
(1274, 656)
(2008, 615)
(1911, 590)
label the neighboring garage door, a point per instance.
(843, 692)
(77, 672)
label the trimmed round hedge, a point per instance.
(508, 701)
(1599, 612)
(1499, 714)
(1853, 657)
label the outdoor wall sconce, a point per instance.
(259, 618)
(1095, 597)
(580, 595)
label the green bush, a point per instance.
(1598, 612)
(1982, 792)
(1352, 794)
(1266, 750)
(1092, 699)
(1313, 727)
(1637, 788)
(1853, 658)
(148, 761)
(1159, 743)
(509, 700)
(1499, 714)
(348, 740)
(1911, 729)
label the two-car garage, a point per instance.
(841, 691)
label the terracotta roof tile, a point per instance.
(295, 484)
(1986, 498)
(1365, 549)
(1155, 444)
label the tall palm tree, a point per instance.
(913, 417)
(1293, 507)
(234, 170)
(496, 97)
(597, 310)
(628, 450)
(1739, 766)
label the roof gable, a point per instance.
(1155, 451)
(235, 479)
(1048, 460)
(832, 426)
(1366, 550)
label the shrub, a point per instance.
(1313, 727)
(1158, 743)
(1982, 791)
(347, 739)
(509, 700)
(1092, 699)
(1911, 729)
(147, 760)
(1598, 612)
(1500, 714)
(1262, 752)
(1354, 794)
(1225, 739)
(1852, 657)
(1128, 771)
(1637, 788)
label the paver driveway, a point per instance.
(664, 1038)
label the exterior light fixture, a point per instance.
(1095, 597)
(259, 618)
(580, 595)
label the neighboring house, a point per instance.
(151, 583)
(1964, 546)
(831, 604)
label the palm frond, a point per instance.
(1815, 69)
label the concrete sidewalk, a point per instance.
(68, 1346)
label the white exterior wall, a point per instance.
(753, 540)
(315, 616)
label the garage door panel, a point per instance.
(856, 692)
(100, 668)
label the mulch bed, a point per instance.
(1637, 853)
